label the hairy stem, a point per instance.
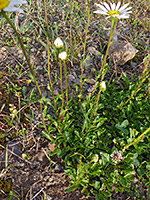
(48, 59)
(62, 94)
(66, 85)
(84, 47)
(135, 141)
(28, 62)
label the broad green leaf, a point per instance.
(123, 181)
(72, 187)
(46, 135)
(125, 123)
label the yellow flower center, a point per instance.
(3, 4)
(113, 12)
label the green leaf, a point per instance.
(3, 135)
(123, 181)
(24, 89)
(97, 185)
(125, 123)
(30, 75)
(46, 135)
(102, 197)
(62, 152)
(148, 166)
(44, 111)
(128, 175)
(136, 162)
(72, 187)
(118, 126)
(140, 171)
(107, 194)
(101, 122)
(51, 153)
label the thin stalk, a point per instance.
(135, 141)
(48, 58)
(30, 67)
(113, 27)
(62, 94)
(97, 100)
(84, 46)
(95, 112)
(66, 85)
(19, 108)
(145, 75)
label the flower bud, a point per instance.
(62, 55)
(58, 43)
(95, 158)
(103, 86)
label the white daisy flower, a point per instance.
(113, 10)
(62, 55)
(58, 43)
(9, 5)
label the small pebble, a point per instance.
(58, 168)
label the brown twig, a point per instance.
(15, 154)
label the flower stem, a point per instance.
(135, 141)
(28, 62)
(113, 27)
(48, 59)
(144, 76)
(62, 94)
(66, 84)
(84, 46)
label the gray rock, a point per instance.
(88, 63)
(44, 93)
(90, 81)
(74, 74)
(114, 37)
(71, 77)
(134, 64)
(58, 168)
(93, 51)
(12, 153)
(40, 68)
(76, 81)
(121, 52)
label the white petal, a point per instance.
(106, 5)
(113, 6)
(123, 7)
(12, 9)
(114, 16)
(118, 5)
(16, 2)
(108, 17)
(124, 16)
(129, 8)
(128, 12)
(100, 12)
(102, 8)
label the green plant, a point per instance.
(77, 143)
